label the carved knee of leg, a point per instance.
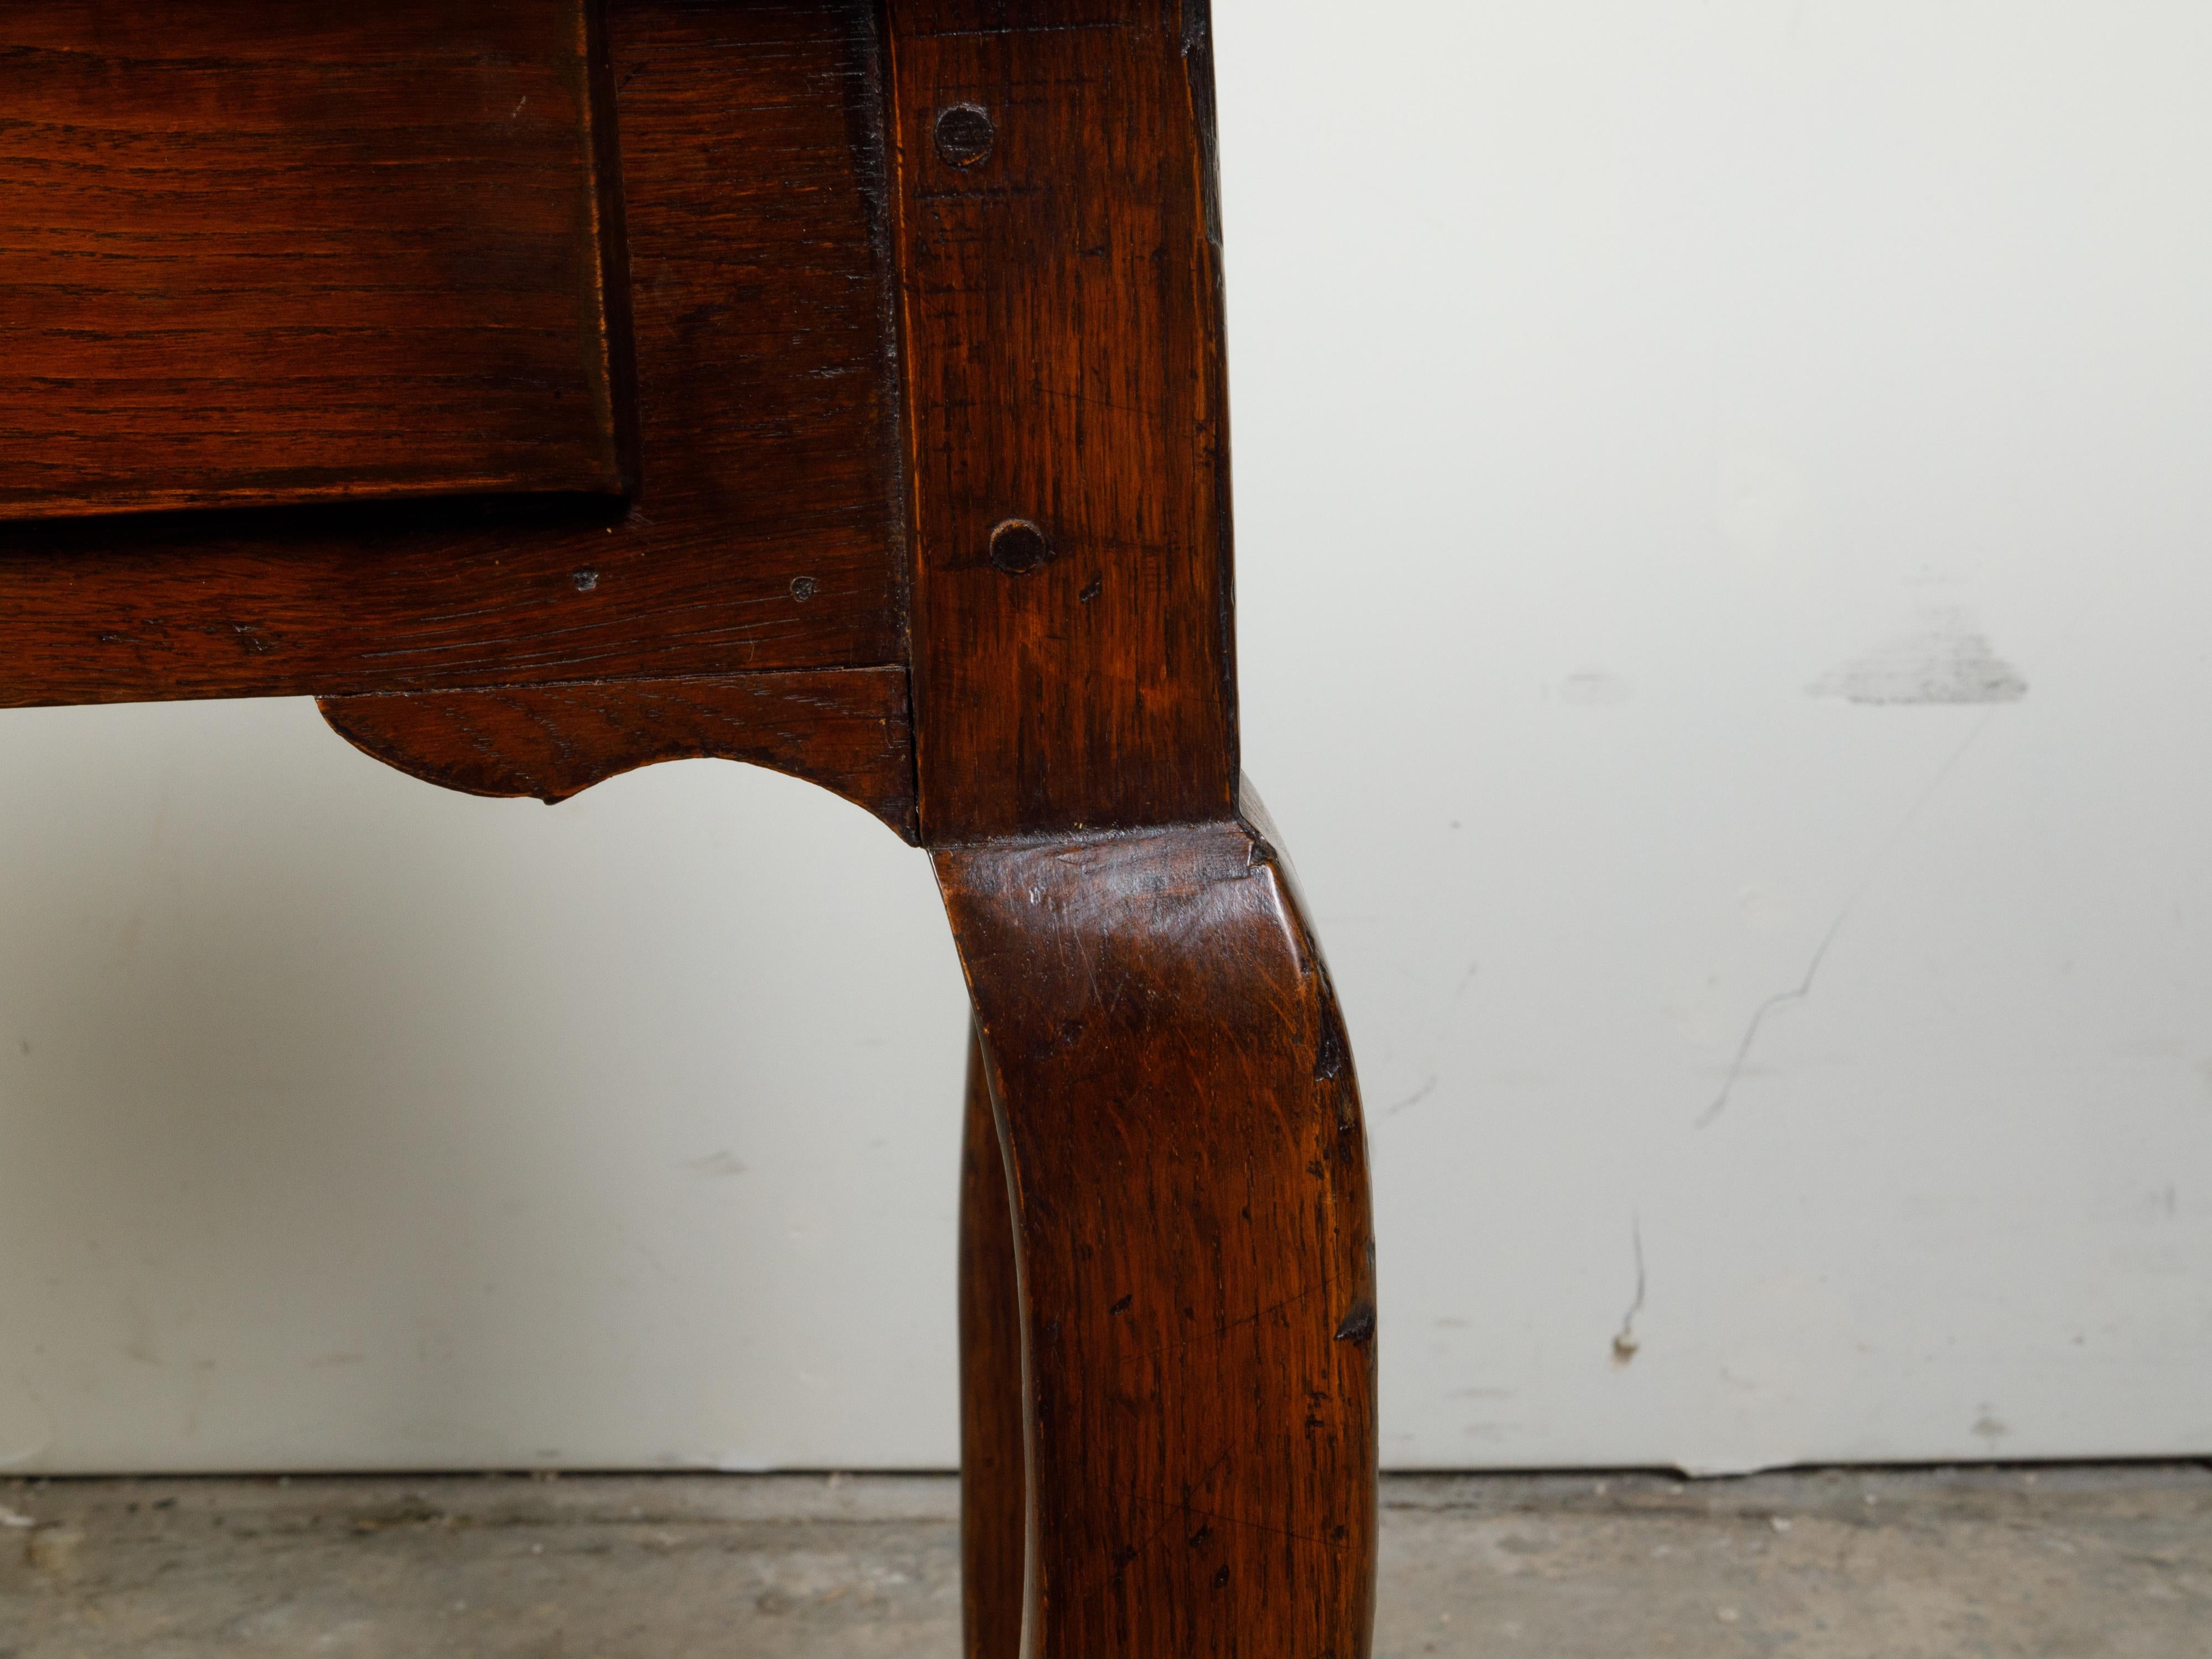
(1189, 1192)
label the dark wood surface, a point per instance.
(1174, 1093)
(766, 530)
(994, 1452)
(845, 729)
(1064, 356)
(288, 251)
(969, 246)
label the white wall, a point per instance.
(1631, 397)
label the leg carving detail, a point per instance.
(1170, 1080)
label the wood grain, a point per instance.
(846, 729)
(766, 531)
(1176, 1096)
(1064, 354)
(286, 251)
(994, 1514)
(1167, 1268)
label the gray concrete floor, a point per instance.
(1834, 1565)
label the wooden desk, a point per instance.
(551, 389)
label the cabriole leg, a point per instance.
(1175, 1096)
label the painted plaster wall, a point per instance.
(1723, 497)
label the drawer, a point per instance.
(293, 252)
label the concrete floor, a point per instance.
(1837, 1565)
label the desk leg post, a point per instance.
(1167, 1075)
(993, 1462)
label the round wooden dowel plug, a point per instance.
(965, 135)
(1019, 547)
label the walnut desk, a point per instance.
(553, 386)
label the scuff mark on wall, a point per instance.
(1428, 1087)
(1625, 1345)
(1593, 688)
(1947, 661)
(27, 1427)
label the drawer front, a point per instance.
(293, 252)
(761, 529)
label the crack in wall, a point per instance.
(1804, 989)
